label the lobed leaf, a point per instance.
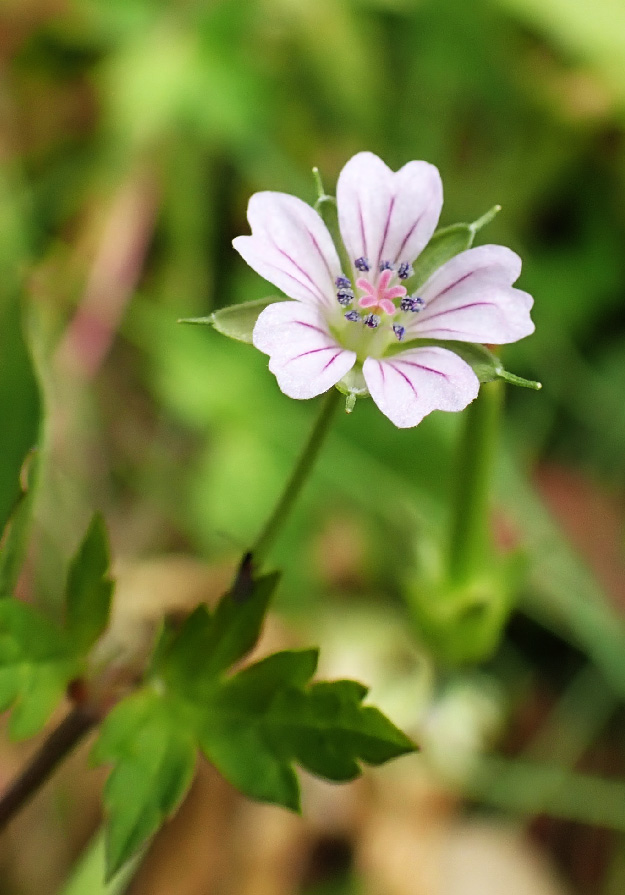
(255, 725)
(20, 407)
(15, 537)
(153, 757)
(266, 717)
(36, 663)
(208, 645)
(38, 659)
(89, 588)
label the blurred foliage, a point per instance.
(132, 133)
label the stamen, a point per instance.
(345, 296)
(371, 320)
(399, 331)
(343, 282)
(385, 265)
(354, 316)
(362, 264)
(413, 303)
(405, 270)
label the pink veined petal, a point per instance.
(471, 299)
(290, 246)
(386, 215)
(303, 355)
(411, 384)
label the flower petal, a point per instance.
(471, 299)
(386, 215)
(411, 384)
(305, 359)
(290, 246)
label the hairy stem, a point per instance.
(55, 749)
(298, 477)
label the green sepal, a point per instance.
(236, 321)
(152, 750)
(486, 365)
(36, 663)
(328, 211)
(445, 244)
(353, 386)
(89, 588)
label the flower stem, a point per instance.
(52, 752)
(470, 537)
(298, 477)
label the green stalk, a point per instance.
(470, 536)
(298, 477)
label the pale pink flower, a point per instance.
(344, 319)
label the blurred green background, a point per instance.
(132, 133)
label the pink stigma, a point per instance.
(381, 296)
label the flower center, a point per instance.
(385, 300)
(380, 295)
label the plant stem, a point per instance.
(469, 526)
(52, 752)
(298, 477)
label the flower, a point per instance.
(344, 319)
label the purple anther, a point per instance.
(405, 270)
(345, 296)
(399, 331)
(371, 320)
(385, 265)
(362, 264)
(354, 316)
(413, 303)
(343, 283)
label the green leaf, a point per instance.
(254, 725)
(89, 588)
(328, 730)
(237, 624)
(239, 749)
(236, 321)
(36, 663)
(486, 365)
(208, 645)
(254, 687)
(153, 755)
(20, 407)
(445, 244)
(265, 719)
(15, 537)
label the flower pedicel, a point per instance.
(341, 319)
